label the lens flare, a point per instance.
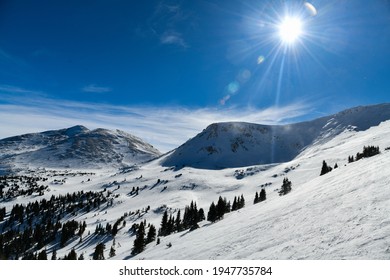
(233, 87)
(311, 9)
(260, 59)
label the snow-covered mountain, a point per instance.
(340, 215)
(237, 144)
(75, 147)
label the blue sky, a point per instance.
(163, 70)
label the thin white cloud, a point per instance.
(96, 89)
(173, 38)
(17, 90)
(164, 127)
(168, 23)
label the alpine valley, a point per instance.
(318, 189)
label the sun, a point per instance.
(290, 29)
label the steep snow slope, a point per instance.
(75, 147)
(224, 145)
(341, 215)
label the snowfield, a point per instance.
(343, 214)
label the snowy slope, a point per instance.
(224, 145)
(341, 215)
(75, 147)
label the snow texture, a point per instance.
(343, 214)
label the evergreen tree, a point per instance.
(256, 200)
(178, 224)
(99, 252)
(212, 214)
(335, 166)
(139, 242)
(151, 234)
(201, 216)
(112, 252)
(220, 208)
(164, 225)
(325, 168)
(227, 205)
(72, 255)
(242, 202)
(42, 255)
(54, 255)
(235, 204)
(286, 187)
(81, 257)
(2, 212)
(262, 195)
(171, 225)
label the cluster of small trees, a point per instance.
(217, 211)
(14, 186)
(31, 227)
(286, 187)
(368, 151)
(142, 239)
(261, 197)
(238, 203)
(192, 216)
(69, 231)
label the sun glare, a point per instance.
(290, 29)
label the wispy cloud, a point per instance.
(164, 127)
(173, 38)
(17, 90)
(96, 89)
(168, 24)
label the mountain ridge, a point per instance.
(238, 144)
(76, 146)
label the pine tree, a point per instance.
(139, 242)
(81, 257)
(54, 255)
(286, 187)
(151, 234)
(325, 168)
(220, 208)
(212, 214)
(164, 225)
(234, 206)
(335, 166)
(201, 216)
(178, 224)
(227, 205)
(263, 195)
(112, 252)
(242, 202)
(72, 255)
(256, 200)
(42, 255)
(2, 210)
(99, 252)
